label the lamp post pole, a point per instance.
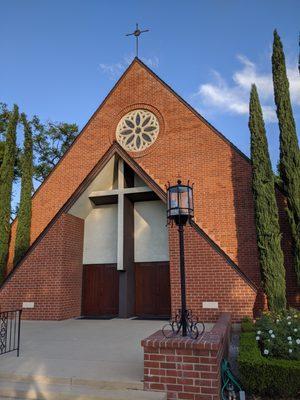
(180, 209)
(182, 281)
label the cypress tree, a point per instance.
(266, 212)
(289, 165)
(2, 148)
(6, 182)
(24, 214)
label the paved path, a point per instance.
(106, 350)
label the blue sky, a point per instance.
(59, 59)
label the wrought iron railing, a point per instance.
(10, 328)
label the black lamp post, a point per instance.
(180, 209)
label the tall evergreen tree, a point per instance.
(289, 165)
(4, 117)
(266, 212)
(6, 181)
(2, 148)
(24, 214)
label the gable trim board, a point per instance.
(116, 149)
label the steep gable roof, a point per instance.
(192, 109)
(187, 147)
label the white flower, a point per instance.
(257, 338)
(289, 338)
(295, 316)
(270, 331)
(289, 323)
(258, 332)
(290, 342)
(298, 341)
(295, 330)
(288, 317)
(277, 320)
(272, 336)
(266, 351)
(290, 350)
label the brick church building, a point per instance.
(100, 243)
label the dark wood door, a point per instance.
(152, 289)
(100, 290)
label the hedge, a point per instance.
(266, 376)
(247, 325)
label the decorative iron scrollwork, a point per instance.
(195, 328)
(3, 332)
(10, 325)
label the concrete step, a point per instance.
(71, 381)
(44, 391)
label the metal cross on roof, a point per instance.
(137, 33)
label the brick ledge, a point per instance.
(209, 340)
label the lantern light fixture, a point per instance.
(180, 203)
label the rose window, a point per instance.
(137, 130)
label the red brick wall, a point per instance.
(186, 147)
(185, 368)
(51, 274)
(208, 278)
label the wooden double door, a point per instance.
(152, 289)
(100, 291)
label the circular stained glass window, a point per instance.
(137, 130)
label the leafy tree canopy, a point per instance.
(50, 142)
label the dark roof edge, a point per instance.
(136, 59)
(192, 109)
(82, 131)
(106, 157)
(225, 256)
(115, 148)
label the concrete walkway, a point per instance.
(100, 350)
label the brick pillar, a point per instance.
(186, 368)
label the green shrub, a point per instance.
(278, 335)
(266, 376)
(247, 325)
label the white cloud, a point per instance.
(114, 70)
(233, 97)
(111, 69)
(151, 62)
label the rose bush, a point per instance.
(278, 334)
